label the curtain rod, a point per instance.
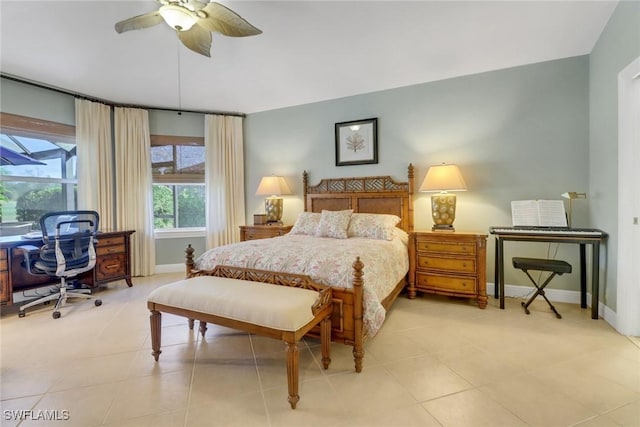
(106, 102)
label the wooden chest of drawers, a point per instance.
(113, 258)
(448, 264)
(253, 232)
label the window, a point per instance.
(177, 164)
(38, 170)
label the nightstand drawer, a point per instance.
(254, 232)
(446, 284)
(459, 265)
(454, 248)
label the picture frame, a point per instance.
(357, 142)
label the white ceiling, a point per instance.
(309, 50)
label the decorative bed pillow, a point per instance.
(307, 223)
(334, 224)
(372, 226)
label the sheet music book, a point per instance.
(538, 213)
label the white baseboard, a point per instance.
(169, 268)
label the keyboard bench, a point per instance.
(277, 305)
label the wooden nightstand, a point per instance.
(253, 232)
(448, 263)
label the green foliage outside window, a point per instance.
(33, 204)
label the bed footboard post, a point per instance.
(305, 184)
(189, 264)
(358, 342)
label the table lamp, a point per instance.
(572, 195)
(273, 186)
(442, 179)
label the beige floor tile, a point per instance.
(372, 391)
(15, 411)
(426, 378)
(173, 358)
(163, 419)
(244, 410)
(93, 371)
(318, 406)
(229, 377)
(143, 396)
(627, 415)
(412, 416)
(471, 408)
(591, 390)
(436, 362)
(536, 403)
(85, 406)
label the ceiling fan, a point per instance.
(194, 21)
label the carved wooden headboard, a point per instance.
(368, 194)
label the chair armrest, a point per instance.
(31, 254)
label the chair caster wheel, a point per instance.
(98, 303)
(56, 314)
(21, 313)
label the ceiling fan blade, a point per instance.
(225, 21)
(139, 22)
(197, 39)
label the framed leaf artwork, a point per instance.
(357, 142)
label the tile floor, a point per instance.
(436, 362)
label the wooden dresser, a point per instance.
(448, 263)
(253, 232)
(113, 262)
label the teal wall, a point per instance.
(617, 47)
(518, 133)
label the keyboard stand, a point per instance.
(582, 237)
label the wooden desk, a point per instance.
(581, 237)
(113, 262)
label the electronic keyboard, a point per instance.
(550, 231)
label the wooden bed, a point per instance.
(372, 194)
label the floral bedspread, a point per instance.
(327, 261)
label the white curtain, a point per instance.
(224, 179)
(95, 160)
(134, 192)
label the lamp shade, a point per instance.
(273, 186)
(443, 178)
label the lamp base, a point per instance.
(443, 227)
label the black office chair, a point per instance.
(69, 249)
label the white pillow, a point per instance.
(334, 224)
(307, 223)
(372, 226)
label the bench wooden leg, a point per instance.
(156, 332)
(191, 322)
(325, 340)
(203, 328)
(292, 373)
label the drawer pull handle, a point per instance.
(112, 266)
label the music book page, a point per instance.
(538, 213)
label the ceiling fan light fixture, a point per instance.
(177, 17)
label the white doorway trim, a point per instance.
(628, 280)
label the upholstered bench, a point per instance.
(278, 305)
